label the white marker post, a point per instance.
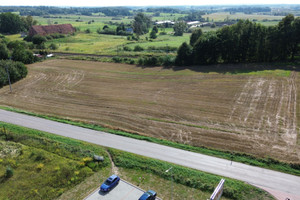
(216, 195)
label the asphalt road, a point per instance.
(277, 181)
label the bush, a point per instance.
(163, 33)
(87, 30)
(149, 61)
(4, 53)
(17, 71)
(38, 39)
(138, 48)
(153, 35)
(125, 48)
(167, 60)
(117, 59)
(23, 55)
(53, 46)
(9, 172)
(107, 31)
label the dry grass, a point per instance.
(252, 113)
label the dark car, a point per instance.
(110, 183)
(149, 195)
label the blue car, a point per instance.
(149, 195)
(110, 183)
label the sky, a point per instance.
(100, 3)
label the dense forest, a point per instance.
(243, 42)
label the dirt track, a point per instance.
(253, 114)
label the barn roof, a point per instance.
(50, 29)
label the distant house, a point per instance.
(51, 29)
(164, 22)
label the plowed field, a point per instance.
(254, 113)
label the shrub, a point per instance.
(23, 55)
(163, 33)
(125, 48)
(149, 61)
(57, 35)
(4, 53)
(87, 30)
(39, 167)
(38, 39)
(117, 59)
(167, 60)
(53, 46)
(17, 71)
(138, 48)
(9, 172)
(107, 31)
(153, 35)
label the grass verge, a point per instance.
(182, 177)
(268, 162)
(39, 175)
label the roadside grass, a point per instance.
(149, 170)
(265, 162)
(87, 186)
(165, 187)
(47, 165)
(44, 166)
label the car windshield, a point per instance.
(108, 182)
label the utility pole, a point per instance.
(8, 78)
(171, 181)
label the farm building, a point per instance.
(51, 29)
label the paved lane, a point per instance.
(273, 180)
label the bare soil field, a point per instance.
(256, 114)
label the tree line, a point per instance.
(11, 23)
(51, 10)
(244, 41)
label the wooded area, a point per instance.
(243, 42)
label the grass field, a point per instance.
(221, 16)
(244, 111)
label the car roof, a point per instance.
(151, 192)
(113, 177)
(144, 196)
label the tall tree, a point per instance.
(10, 23)
(179, 28)
(285, 42)
(28, 22)
(296, 37)
(195, 36)
(184, 55)
(4, 53)
(141, 24)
